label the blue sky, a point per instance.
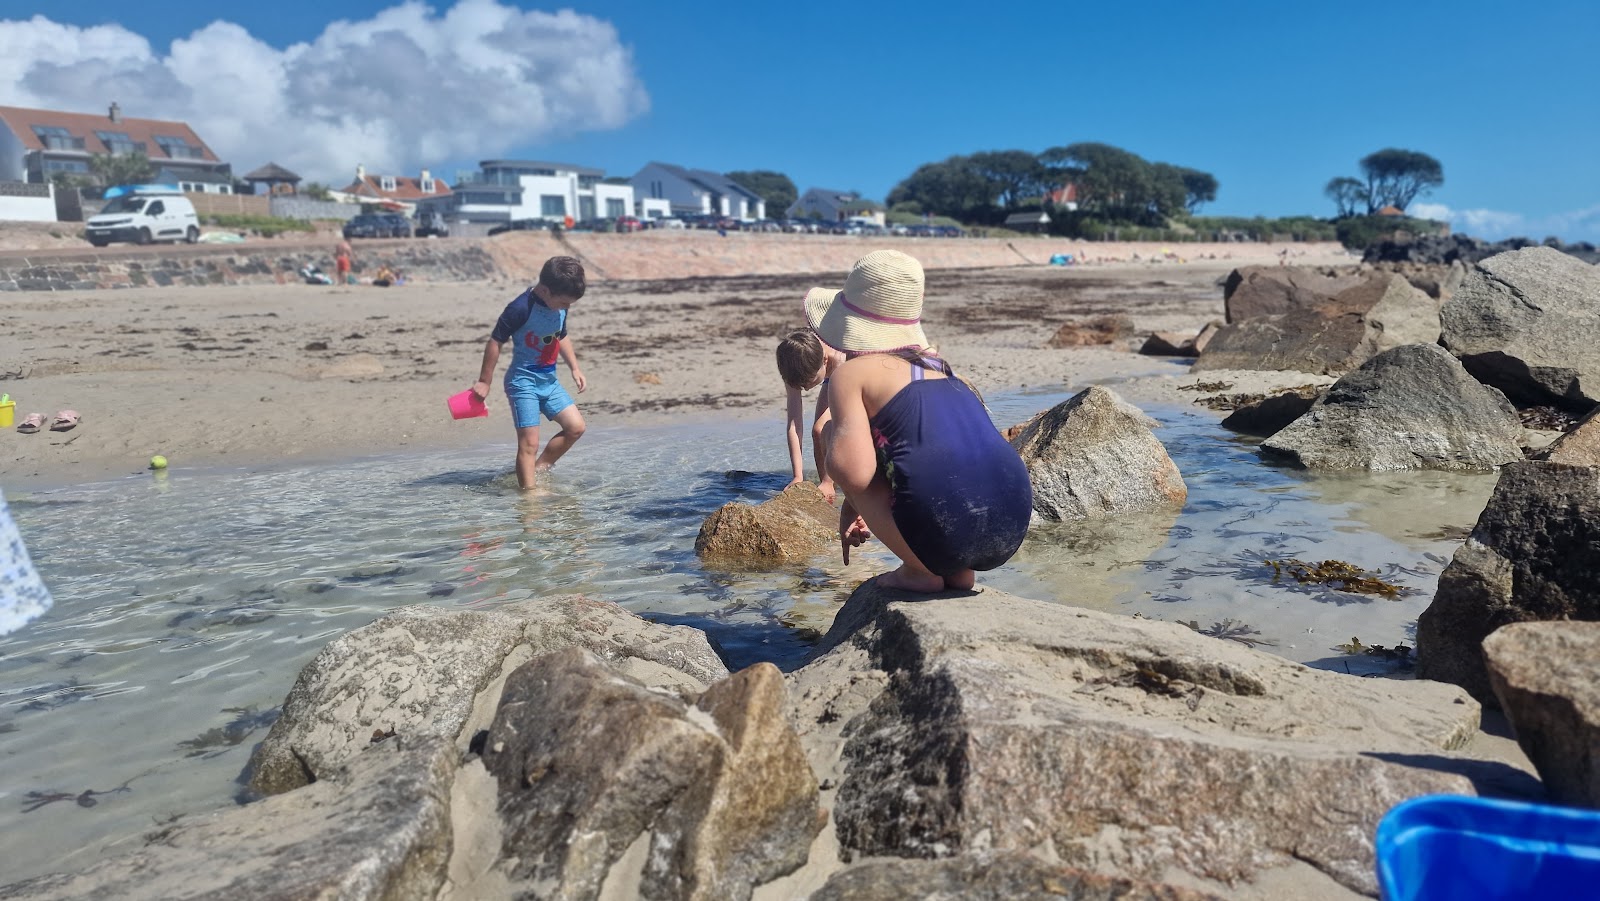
(1274, 98)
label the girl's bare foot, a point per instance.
(905, 579)
(961, 581)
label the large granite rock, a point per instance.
(1094, 455)
(429, 671)
(1175, 344)
(376, 828)
(1330, 335)
(605, 781)
(1252, 292)
(793, 527)
(1580, 446)
(989, 723)
(1412, 407)
(1547, 679)
(1526, 322)
(1533, 556)
(990, 877)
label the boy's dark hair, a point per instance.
(563, 276)
(799, 358)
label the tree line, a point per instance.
(1109, 184)
(1390, 177)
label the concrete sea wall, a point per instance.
(646, 256)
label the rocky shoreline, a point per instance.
(979, 744)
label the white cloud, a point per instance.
(1494, 225)
(404, 89)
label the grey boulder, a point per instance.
(431, 671)
(1094, 455)
(1526, 322)
(1269, 414)
(1120, 745)
(1252, 292)
(603, 781)
(1547, 678)
(1533, 556)
(1413, 407)
(376, 828)
(1580, 446)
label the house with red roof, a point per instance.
(37, 144)
(401, 191)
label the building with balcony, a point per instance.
(36, 145)
(697, 192)
(503, 190)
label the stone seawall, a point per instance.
(646, 256)
(237, 264)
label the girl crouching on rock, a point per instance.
(913, 450)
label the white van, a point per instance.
(141, 216)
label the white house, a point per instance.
(503, 190)
(697, 192)
(835, 206)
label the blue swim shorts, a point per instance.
(528, 400)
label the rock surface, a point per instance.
(1534, 555)
(1107, 329)
(1412, 407)
(795, 526)
(1547, 679)
(378, 828)
(992, 724)
(990, 877)
(1270, 414)
(716, 797)
(1526, 322)
(1329, 335)
(1580, 446)
(1176, 344)
(429, 671)
(1094, 455)
(1252, 292)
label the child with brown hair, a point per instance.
(804, 363)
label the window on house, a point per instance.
(54, 137)
(66, 166)
(552, 205)
(118, 142)
(178, 148)
(588, 181)
(427, 186)
(615, 207)
(386, 182)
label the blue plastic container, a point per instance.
(1455, 847)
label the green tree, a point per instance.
(1198, 188)
(122, 168)
(316, 190)
(1396, 177)
(952, 188)
(775, 188)
(1169, 193)
(1013, 175)
(1112, 183)
(1347, 194)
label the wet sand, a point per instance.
(290, 374)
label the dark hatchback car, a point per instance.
(398, 225)
(366, 225)
(521, 225)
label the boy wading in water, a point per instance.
(536, 324)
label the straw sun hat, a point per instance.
(880, 308)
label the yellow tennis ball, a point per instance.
(158, 462)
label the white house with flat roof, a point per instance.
(504, 190)
(697, 192)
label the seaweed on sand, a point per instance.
(1335, 574)
(1400, 655)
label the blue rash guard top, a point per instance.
(960, 494)
(535, 332)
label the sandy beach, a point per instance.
(280, 374)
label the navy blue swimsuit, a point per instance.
(961, 495)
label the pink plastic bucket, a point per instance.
(467, 405)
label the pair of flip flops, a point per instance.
(63, 421)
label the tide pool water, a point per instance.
(185, 604)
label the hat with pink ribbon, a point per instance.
(880, 308)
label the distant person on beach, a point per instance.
(342, 256)
(805, 363)
(913, 450)
(536, 324)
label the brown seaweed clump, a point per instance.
(1335, 574)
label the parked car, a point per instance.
(430, 222)
(366, 225)
(922, 231)
(397, 225)
(144, 217)
(522, 225)
(629, 224)
(667, 222)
